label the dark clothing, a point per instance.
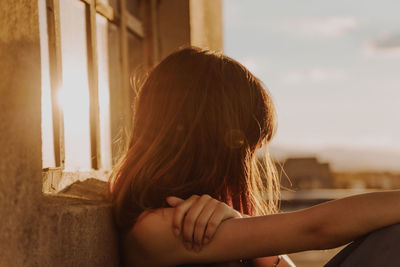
(379, 248)
(244, 263)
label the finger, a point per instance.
(192, 216)
(216, 218)
(179, 213)
(231, 214)
(174, 201)
(203, 219)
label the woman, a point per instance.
(199, 119)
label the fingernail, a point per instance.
(188, 245)
(206, 240)
(196, 248)
(177, 231)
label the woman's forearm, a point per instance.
(345, 219)
(327, 225)
(323, 226)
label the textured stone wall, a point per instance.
(36, 230)
(173, 25)
(20, 133)
(189, 22)
(76, 232)
(206, 24)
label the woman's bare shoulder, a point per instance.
(152, 236)
(153, 221)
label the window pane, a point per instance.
(114, 5)
(136, 68)
(47, 123)
(104, 95)
(74, 95)
(115, 88)
(133, 7)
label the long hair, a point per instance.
(198, 119)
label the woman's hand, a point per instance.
(198, 218)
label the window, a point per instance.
(89, 51)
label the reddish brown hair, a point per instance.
(199, 117)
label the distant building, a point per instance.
(362, 180)
(305, 173)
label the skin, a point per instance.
(151, 241)
(197, 219)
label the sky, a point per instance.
(333, 70)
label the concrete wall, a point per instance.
(36, 230)
(189, 22)
(173, 25)
(20, 152)
(206, 24)
(75, 232)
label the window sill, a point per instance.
(55, 180)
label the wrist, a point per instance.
(278, 260)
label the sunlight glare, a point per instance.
(47, 122)
(74, 95)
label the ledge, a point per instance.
(77, 227)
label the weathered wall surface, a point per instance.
(37, 230)
(20, 133)
(189, 22)
(76, 232)
(206, 24)
(173, 25)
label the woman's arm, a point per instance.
(323, 226)
(345, 219)
(198, 218)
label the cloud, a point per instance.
(316, 75)
(388, 42)
(386, 46)
(324, 27)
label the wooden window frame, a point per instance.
(55, 70)
(146, 30)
